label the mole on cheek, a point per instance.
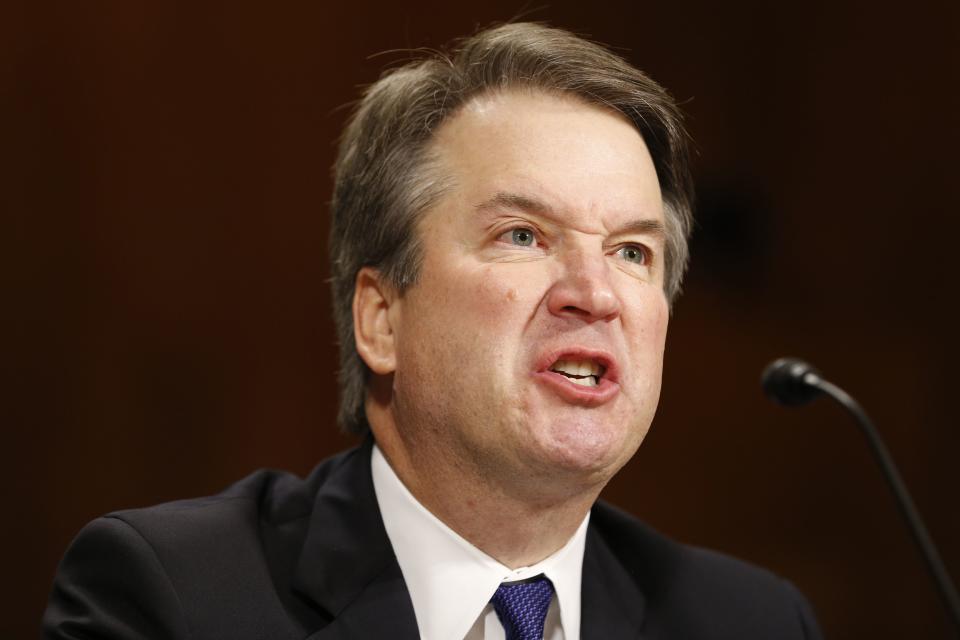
(511, 294)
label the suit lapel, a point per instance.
(611, 604)
(347, 567)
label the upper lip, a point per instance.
(604, 358)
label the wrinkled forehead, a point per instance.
(553, 149)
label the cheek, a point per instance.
(646, 330)
(495, 298)
(650, 318)
(467, 312)
(657, 331)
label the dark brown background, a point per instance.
(166, 325)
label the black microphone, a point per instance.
(792, 382)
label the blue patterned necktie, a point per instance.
(522, 607)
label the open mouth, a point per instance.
(586, 373)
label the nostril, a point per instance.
(575, 310)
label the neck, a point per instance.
(515, 523)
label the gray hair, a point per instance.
(385, 175)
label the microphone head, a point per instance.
(789, 381)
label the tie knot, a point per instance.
(522, 607)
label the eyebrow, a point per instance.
(506, 200)
(643, 226)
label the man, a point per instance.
(509, 230)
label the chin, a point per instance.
(590, 448)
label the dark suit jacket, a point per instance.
(277, 557)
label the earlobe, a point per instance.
(372, 329)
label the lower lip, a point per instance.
(578, 394)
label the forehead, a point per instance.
(578, 157)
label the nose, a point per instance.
(584, 289)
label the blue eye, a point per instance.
(522, 237)
(633, 253)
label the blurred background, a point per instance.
(165, 179)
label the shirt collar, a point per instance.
(451, 581)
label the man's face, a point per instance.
(531, 348)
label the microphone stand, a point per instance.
(809, 377)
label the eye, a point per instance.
(633, 253)
(522, 236)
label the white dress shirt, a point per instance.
(451, 581)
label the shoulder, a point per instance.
(223, 523)
(163, 569)
(653, 557)
(693, 589)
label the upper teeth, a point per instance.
(578, 367)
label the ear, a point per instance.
(372, 330)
